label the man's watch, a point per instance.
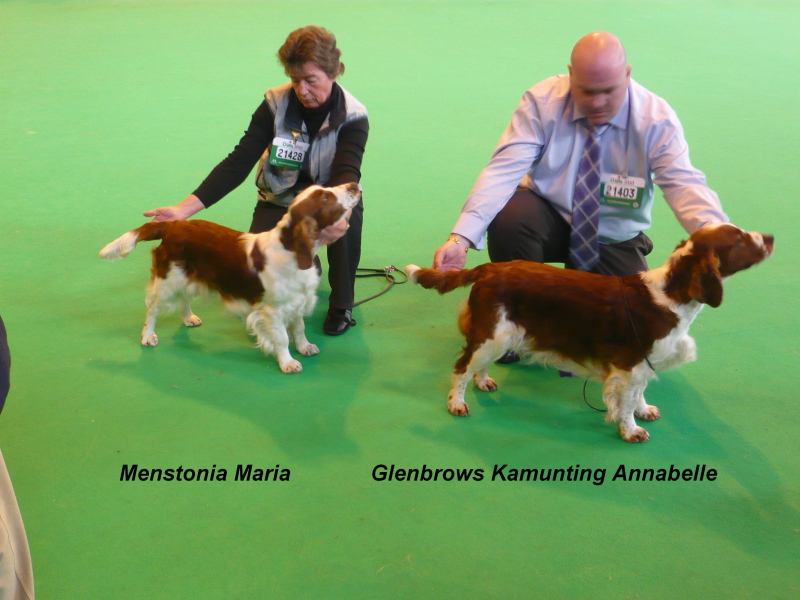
(453, 238)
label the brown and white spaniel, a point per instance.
(606, 328)
(268, 279)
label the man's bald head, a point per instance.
(598, 50)
(599, 75)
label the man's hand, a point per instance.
(179, 212)
(333, 232)
(452, 255)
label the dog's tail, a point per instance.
(441, 281)
(124, 245)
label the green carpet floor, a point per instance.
(108, 109)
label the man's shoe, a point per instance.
(338, 321)
(508, 358)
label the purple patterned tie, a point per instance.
(584, 249)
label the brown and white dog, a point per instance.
(269, 278)
(606, 328)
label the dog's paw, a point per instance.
(192, 321)
(636, 434)
(292, 366)
(150, 340)
(487, 384)
(459, 409)
(650, 413)
(308, 350)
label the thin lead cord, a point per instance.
(385, 272)
(633, 325)
(638, 341)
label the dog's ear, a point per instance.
(705, 285)
(306, 234)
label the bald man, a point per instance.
(531, 193)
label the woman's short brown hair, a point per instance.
(314, 44)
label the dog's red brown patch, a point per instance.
(208, 253)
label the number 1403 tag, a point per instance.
(617, 190)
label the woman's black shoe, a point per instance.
(338, 321)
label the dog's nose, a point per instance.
(769, 241)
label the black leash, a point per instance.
(587, 402)
(638, 340)
(633, 325)
(386, 272)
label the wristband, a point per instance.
(453, 238)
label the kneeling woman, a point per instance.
(308, 131)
